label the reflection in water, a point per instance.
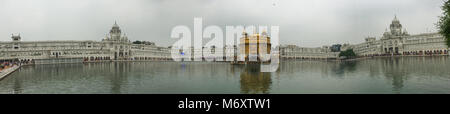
(393, 71)
(254, 81)
(403, 74)
(17, 86)
(344, 67)
(120, 68)
(376, 75)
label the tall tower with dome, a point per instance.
(115, 34)
(118, 43)
(392, 42)
(396, 27)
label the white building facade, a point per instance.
(115, 46)
(397, 41)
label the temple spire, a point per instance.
(395, 18)
(115, 24)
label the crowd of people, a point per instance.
(413, 53)
(6, 65)
(434, 52)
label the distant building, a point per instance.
(115, 46)
(397, 41)
(336, 48)
(296, 52)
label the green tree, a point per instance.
(444, 22)
(137, 42)
(347, 53)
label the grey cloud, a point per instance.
(309, 23)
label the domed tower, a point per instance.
(405, 32)
(250, 47)
(16, 40)
(124, 38)
(386, 34)
(264, 33)
(244, 33)
(396, 27)
(265, 38)
(243, 47)
(105, 38)
(115, 32)
(15, 37)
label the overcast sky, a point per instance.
(307, 23)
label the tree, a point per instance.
(444, 22)
(137, 42)
(347, 53)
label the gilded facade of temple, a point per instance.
(254, 45)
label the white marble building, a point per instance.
(397, 41)
(296, 52)
(115, 46)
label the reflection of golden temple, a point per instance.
(253, 45)
(255, 82)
